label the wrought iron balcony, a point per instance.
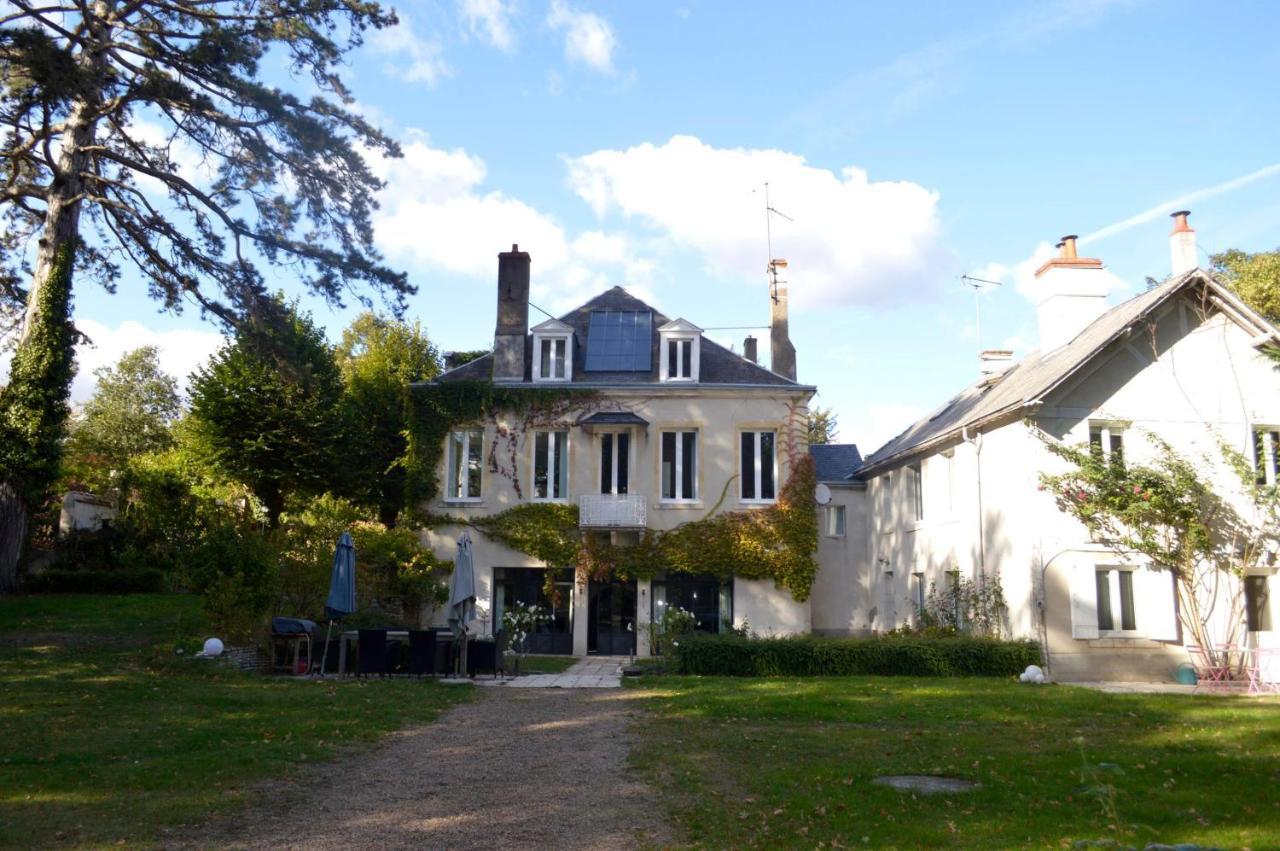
(612, 511)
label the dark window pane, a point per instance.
(671, 359)
(686, 359)
(475, 446)
(560, 487)
(1275, 455)
(1127, 620)
(544, 359)
(689, 489)
(1095, 442)
(624, 458)
(606, 463)
(1260, 456)
(540, 465)
(1104, 599)
(1117, 448)
(748, 465)
(766, 465)
(669, 465)
(1257, 604)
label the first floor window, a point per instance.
(550, 464)
(1115, 600)
(1257, 604)
(679, 465)
(1107, 441)
(552, 358)
(835, 521)
(465, 449)
(917, 489)
(1266, 455)
(615, 452)
(759, 466)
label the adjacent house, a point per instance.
(956, 495)
(677, 428)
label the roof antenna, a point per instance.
(774, 263)
(978, 284)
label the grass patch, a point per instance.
(788, 763)
(109, 737)
(538, 664)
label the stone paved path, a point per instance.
(529, 768)
(587, 672)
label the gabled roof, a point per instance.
(717, 365)
(1031, 378)
(834, 462)
(551, 326)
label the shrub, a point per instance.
(63, 581)
(808, 656)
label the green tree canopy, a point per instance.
(131, 413)
(379, 357)
(267, 409)
(1256, 277)
(823, 426)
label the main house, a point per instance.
(957, 494)
(677, 428)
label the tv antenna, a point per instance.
(978, 284)
(775, 264)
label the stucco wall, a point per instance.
(767, 609)
(841, 591)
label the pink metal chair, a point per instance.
(1264, 670)
(1212, 675)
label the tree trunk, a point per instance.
(13, 534)
(33, 405)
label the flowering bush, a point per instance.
(519, 621)
(666, 632)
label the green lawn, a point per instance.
(108, 736)
(788, 763)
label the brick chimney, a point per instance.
(1182, 244)
(749, 349)
(782, 355)
(511, 335)
(1072, 292)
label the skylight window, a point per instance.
(619, 341)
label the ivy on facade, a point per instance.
(777, 542)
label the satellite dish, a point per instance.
(822, 494)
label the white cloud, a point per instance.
(588, 38)
(437, 213)
(424, 60)
(181, 350)
(853, 239)
(872, 427)
(489, 20)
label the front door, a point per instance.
(611, 618)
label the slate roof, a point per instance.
(1038, 373)
(835, 462)
(717, 365)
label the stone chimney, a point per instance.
(1182, 244)
(782, 355)
(1072, 292)
(511, 335)
(749, 348)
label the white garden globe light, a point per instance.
(212, 647)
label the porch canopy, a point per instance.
(611, 420)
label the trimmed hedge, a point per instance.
(808, 656)
(146, 580)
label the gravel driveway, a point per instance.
(516, 768)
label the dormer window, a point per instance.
(679, 351)
(552, 351)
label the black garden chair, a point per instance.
(372, 651)
(422, 652)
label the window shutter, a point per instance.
(1084, 605)
(1157, 604)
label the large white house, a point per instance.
(958, 492)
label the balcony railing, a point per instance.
(612, 511)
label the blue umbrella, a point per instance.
(342, 589)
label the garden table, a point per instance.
(350, 637)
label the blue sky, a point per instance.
(627, 143)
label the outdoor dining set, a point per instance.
(1231, 668)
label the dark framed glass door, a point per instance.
(611, 618)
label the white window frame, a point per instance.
(837, 529)
(1106, 430)
(1269, 452)
(758, 474)
(918, 595)
(679, 331)
(552, 339)
(679, 465)
(1116, 601)
(553, 466)
(613, 462)
(464, 482)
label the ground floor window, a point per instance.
(1115, 600)
(1257, 603)
(708, 597)
(526, 585)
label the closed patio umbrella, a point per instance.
(462, 596)
(342, 589)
